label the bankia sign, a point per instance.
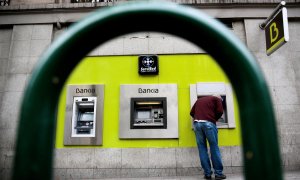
(148, 65)
(276, 31)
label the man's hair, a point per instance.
(217, 95)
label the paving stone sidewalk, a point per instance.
(288, 175)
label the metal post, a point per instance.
(265, 23)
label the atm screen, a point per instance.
(144, 114)
(87, 116)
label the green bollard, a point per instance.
(35, 141)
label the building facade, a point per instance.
(167, 148)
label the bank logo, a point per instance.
(276, 31)
(148, 65)
(147, 61)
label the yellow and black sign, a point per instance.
(277, 31)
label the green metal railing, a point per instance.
(36, 131)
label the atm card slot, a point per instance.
(157, 120)
(84, 127)
(149, 124)
(83, 131)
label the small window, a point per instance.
(4, 2)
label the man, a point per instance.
(205, 112)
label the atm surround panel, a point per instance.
(84, 115)
(148, 113)
(132, 92)
(221, 88)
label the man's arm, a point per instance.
(219, 108)
(192, 112)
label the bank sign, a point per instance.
(276, 31)
(148, 65)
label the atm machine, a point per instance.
(201, 89)
(84, 115)
(148, 111)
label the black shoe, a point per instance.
(218, 177)
(207, 177)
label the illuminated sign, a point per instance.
(148, 65)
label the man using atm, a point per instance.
(205, 112)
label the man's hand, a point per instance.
(193, 126)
